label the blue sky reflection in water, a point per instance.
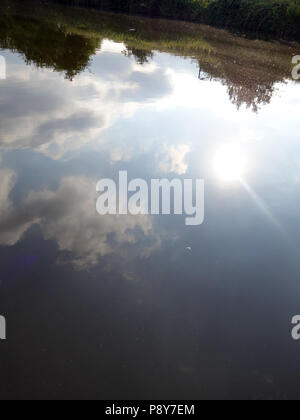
(143, 306)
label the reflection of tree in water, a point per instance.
(54, 45)
(252, 95)
(141, 56)
(251, 90)
(47, 46)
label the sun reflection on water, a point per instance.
(230, 163)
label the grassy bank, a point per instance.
(274, 18)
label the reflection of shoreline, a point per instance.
(248, 68)
(263, 19)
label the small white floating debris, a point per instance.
(188, 248)
(132, 30)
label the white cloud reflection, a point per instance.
(41, 110)
(69, 216)
(158, 113)
(173, 159)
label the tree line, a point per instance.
(276, 18)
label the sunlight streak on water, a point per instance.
(263, 207)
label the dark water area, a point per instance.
(145, 307)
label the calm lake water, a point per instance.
(144, 307)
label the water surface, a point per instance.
(142, 306)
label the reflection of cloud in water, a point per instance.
(69, 216)
(10, 232)
(112, 47)
(41, 110)
(173, 159)
(125, 109)
(8, 178)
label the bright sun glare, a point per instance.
(230, 163)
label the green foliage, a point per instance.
(47, 46)
(278, 18)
